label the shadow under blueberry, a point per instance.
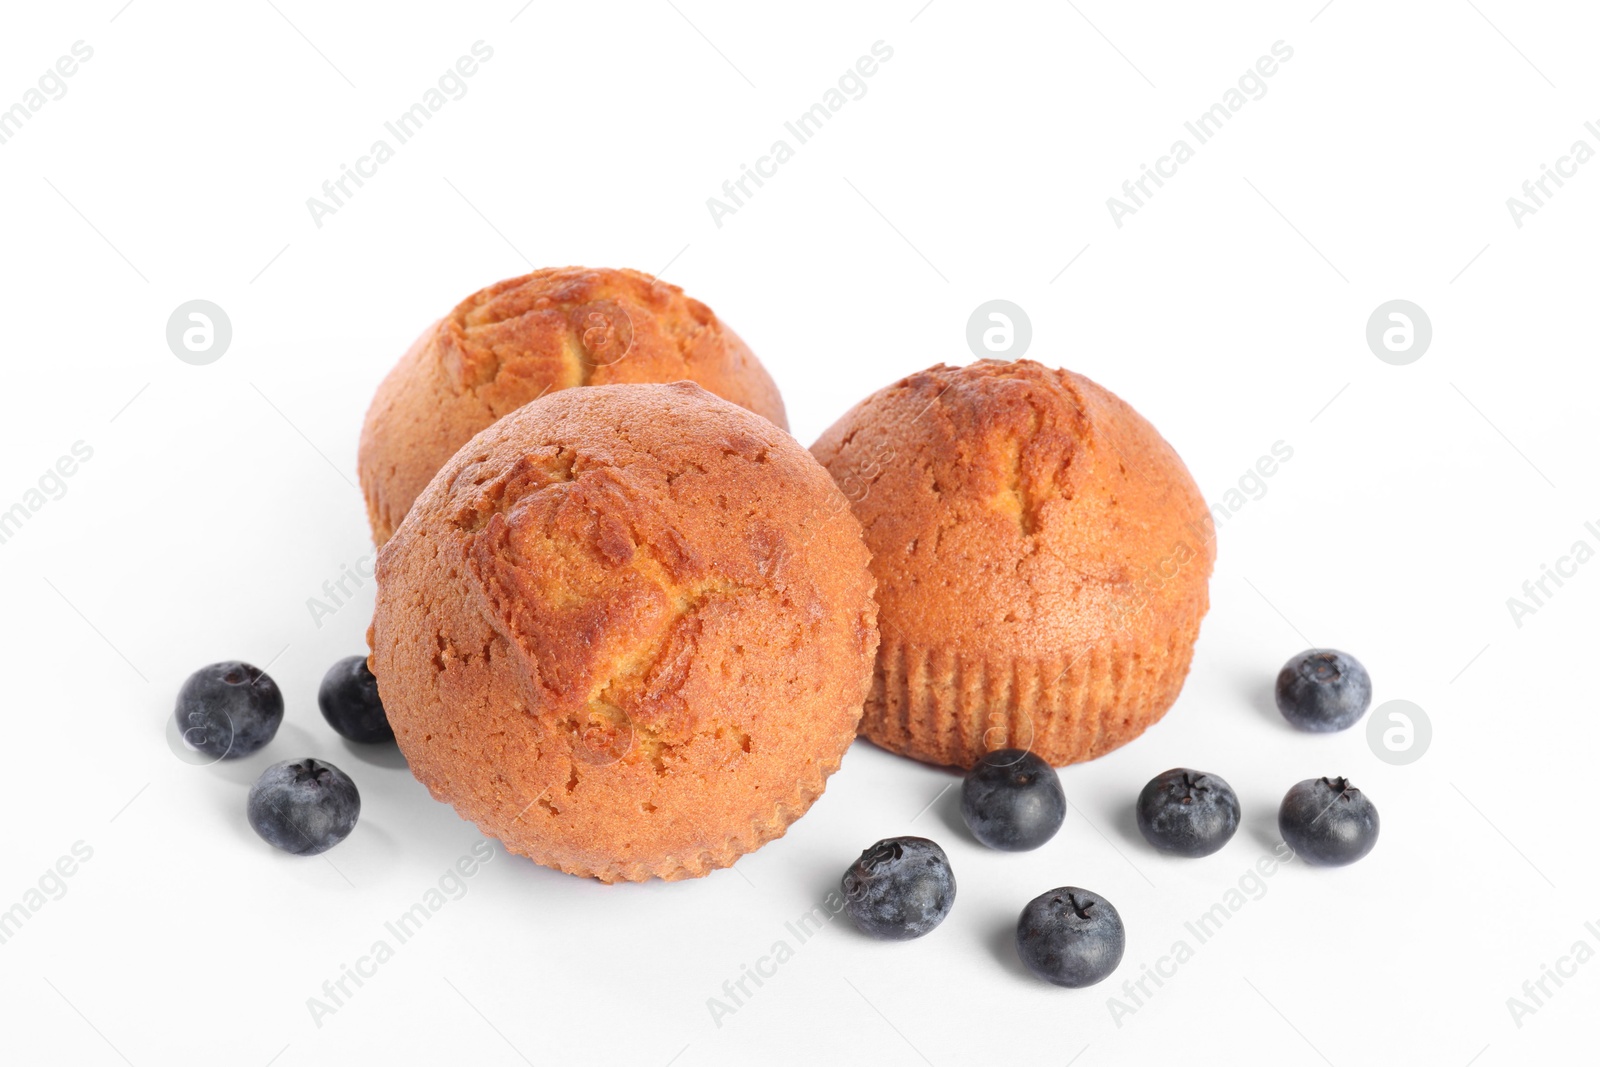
(377, 753)
(1259, 694)
(1262, 825)
(947, 812)
(1125, 821)
(1001, 940)
(290, 742)
(828, 887)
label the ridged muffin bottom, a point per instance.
(950, 708)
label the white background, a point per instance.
(1230, 310)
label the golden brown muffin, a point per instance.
(524, 337)
(1042, 558)
(627, 630)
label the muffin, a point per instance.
(522, 338)
(627, 630)
(1042, 558)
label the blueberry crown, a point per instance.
(310, 771)
(1080, 910)
(881, 853)
(1192, 784)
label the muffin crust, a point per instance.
(1042, 558)
(525, 337)
(627, 630)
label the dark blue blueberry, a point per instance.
(1188, 813)
(229, 709)
(1328, 822)
(304, 806)
(1323, 690)
(899, 889)
(349, 701)
(1012, 800)
(1071, 937)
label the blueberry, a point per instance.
(229, 709)
(1323, 690)
(349, 701)
(1071, 937)
(1328, 822)
(1188, 813)
(303, 806)
(899, 889)
(1012, 800)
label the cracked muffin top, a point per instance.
(628, 630)
(1015, 510)
(525, 337)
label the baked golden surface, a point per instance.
(1042, 558)
(627, 630)
(525, 337)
